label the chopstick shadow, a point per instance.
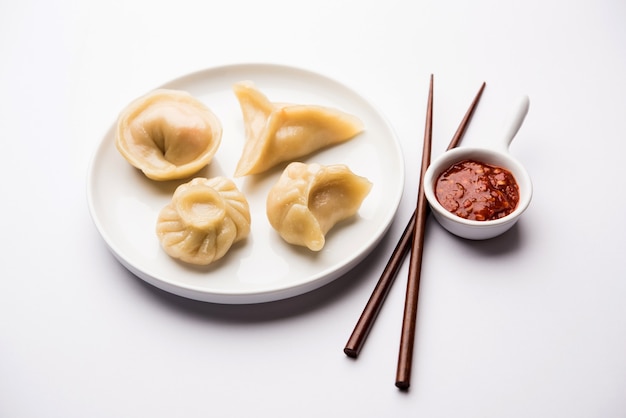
(269, 311)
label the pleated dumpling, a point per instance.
(203, 220)
(278, 132)
(168, 134)
(309, 199)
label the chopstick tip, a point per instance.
(351, 352)
(402, 385)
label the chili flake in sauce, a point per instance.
(477, 191)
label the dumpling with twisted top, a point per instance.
(278, 132)
(203, 220)
(309, 199)
(168, 134)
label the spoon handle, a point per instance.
(516, 121)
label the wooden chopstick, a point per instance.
(374, 304)
(407, 337)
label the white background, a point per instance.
(531, 324)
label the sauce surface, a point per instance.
(477, 191)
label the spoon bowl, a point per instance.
(498, 155)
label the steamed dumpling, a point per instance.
(278, 132)
(203, 220)
(308, 200)
(168, 134)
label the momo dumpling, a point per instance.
(309, 199)
(168, 134)
(278, 132)
(203, 220)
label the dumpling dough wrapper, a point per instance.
(203, 220)
(309, 199)
(168, 134)
(278, 132)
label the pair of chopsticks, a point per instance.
(412, 239)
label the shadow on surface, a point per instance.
(507, 243)
(269, 311)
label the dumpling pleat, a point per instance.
(193, 238)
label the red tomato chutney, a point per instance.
(477, 191)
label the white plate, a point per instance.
(124, 203)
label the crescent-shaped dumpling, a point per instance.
(168, 134)
(278, 132)
(203, 220)
(309, 199)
